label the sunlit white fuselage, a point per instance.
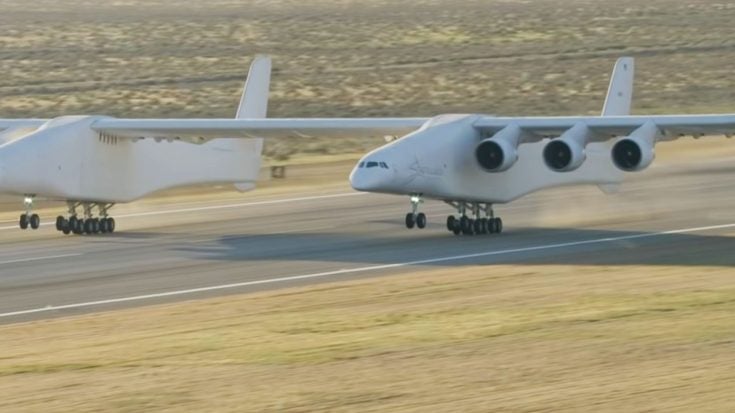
(438, 162)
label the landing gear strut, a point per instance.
(88, 224)
(483, 219)
(415, 218)
(29, 219)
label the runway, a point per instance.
(185, 248)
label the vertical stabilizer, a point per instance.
(617, 103)
(254, 101)
(253, 105)
(620, 93)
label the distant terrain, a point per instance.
(361, 58)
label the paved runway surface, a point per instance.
(183, 248)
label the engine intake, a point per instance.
(631, 155)
(495, 155)
(564, 155)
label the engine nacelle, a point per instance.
(564, 155)
(496, 155)
(633, 154)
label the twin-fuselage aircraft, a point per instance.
(471, 161)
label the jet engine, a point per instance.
(564, 155)
(499, 153)
(632, 155)
(636, 152)
(496, 155)
(567, 152)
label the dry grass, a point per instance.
(356, 58)
(505, 338)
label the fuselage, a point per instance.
(438, 162)
(66, 159)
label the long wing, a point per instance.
(6, 124)
(607, 127)
(202, 130)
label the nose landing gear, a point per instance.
(415, 218)
(29, 219)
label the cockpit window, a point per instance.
(373, 164)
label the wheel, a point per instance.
(457, 228)
(78, 227)
(103, 225)
(421, 220)
(410, 220)
(95, 226)
(492, 226)
(62, 224)
(470, 228)
(110, 225)
(89, 226)
(464, 225)
(479, 227)
(498, 225)
(451, 222)
(35, 221)
(23, 221)
(66, 229)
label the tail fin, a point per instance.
(254, 101)
(620, 94)
(253, 105)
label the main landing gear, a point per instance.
(483, 219)
(415, 218)
(88, 224)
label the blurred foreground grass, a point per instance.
(510, 338)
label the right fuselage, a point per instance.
(438, 161)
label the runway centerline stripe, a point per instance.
(360, 270)
(215, 207)
(31, 259)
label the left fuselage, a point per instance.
(67, 160)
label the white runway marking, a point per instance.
(359, 270)
(215, 207)
(31, 259)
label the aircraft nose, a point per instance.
(369, 179)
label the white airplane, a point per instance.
(469, 161)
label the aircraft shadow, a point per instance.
(534, 246)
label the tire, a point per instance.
(470, 229)
(66, 230)
(451, 223)
(492, 226)
(498, 225)
(78, 227)
(60, 221)
(410, 221)
(421, 220)
(103, 225)
(110, 225)
(95, 226)
(23, 221)
(35, 221)
(479, 227)
(464, 225)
